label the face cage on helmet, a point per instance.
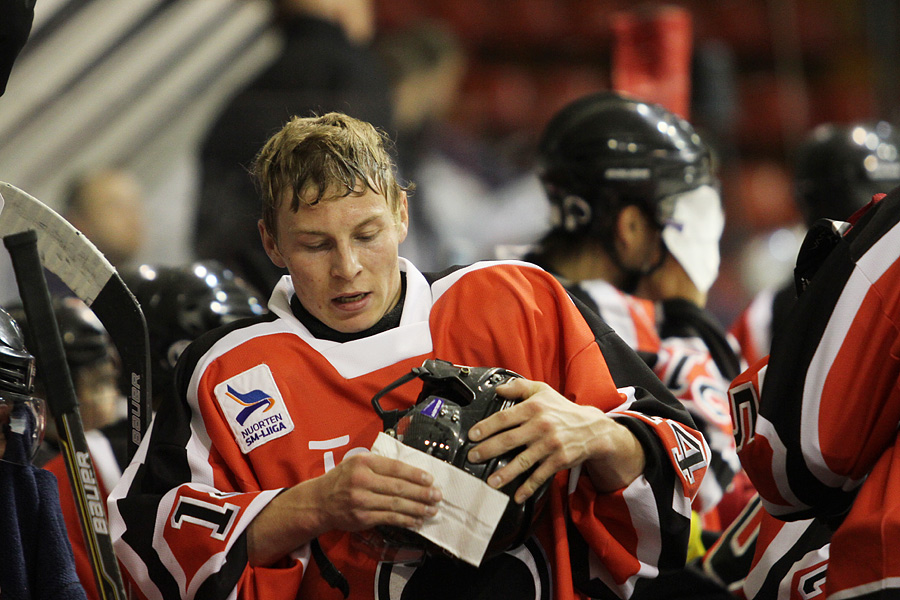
(16, 371)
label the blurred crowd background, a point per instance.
(139, 86)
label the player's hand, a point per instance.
(366, 490)
(556, 434)
(363, 491)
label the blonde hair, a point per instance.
(321, 158)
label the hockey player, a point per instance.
(637, 210)
(820, 415)
(211, 506)
(837, 170)
(37, 559)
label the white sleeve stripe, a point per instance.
(644, 519)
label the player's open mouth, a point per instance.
(350, 299)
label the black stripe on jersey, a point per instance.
(731, 555)
(431, 278)
(881, 594)
(652, 398)
(793, 349)
(782, 302)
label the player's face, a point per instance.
(342, 257)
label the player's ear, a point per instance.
(637, 240)
(627, 225)
(270, 245)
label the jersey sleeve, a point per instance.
(622, 538)
(616, 541)
(697, 360)
(178, 517)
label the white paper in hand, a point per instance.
(469, 512)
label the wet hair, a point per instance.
(321, 158)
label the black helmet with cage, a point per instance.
(605, 151)
(23, 416)
(838, 168)
(180, 303)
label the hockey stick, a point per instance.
(51, 359)
(68, 254)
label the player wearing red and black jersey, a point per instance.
(256, 475)
(838, 169)
(636, 210)
(820, 440)
(217, 456)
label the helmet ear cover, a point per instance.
(453, 399)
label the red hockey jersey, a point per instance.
(264, 404)
(821, 439)
(686, 363)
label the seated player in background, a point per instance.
(637, 222)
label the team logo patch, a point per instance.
(254, 408)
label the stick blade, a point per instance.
(64, 251)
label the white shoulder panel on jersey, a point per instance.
(612, 307)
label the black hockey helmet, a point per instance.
(838, 168)
(453, 398)
(605, 151)
(84, 338)
(182, 302)
(23, 424)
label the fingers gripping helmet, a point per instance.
(453, 398)
(605, 151)
(182, 302)
(838, 168)
(23, 421)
